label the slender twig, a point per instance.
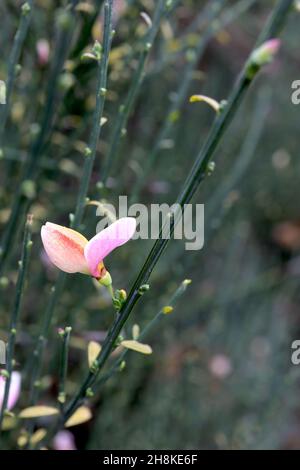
(23, 265)
(181, 94)
(195, 178)
(29, 174)
(82, 194)
(150, 326)
(65, 334)
(126, 108)
(198, 26)
(13, 62)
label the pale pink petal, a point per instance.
(64, 440)
(106, 241)
(14, 390)
(65, 248)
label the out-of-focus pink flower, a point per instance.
(119, 8)
(220, 366)
(73, 253)
(14, 391)
(64, 440)
(43, 51)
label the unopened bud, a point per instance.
(144, 288)
(261, 56)
(2, 92)
(167, 309)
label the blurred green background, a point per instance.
(220, 376)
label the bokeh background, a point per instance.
(220, 376)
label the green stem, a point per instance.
(125, 109)
(96, 130)
(21, 202)
(26, 12)
(23, 265)
(196, 177)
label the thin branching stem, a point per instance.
(23, 266)
(125, 109)
(195, 178)
(216, 209)
(65, 334)
(96, 129)
(197, 26)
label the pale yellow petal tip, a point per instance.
(187, 282)
(167, 309)
(206, 99)
(136, 346)
(93, 351)
(38, 411)
(81, 415)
